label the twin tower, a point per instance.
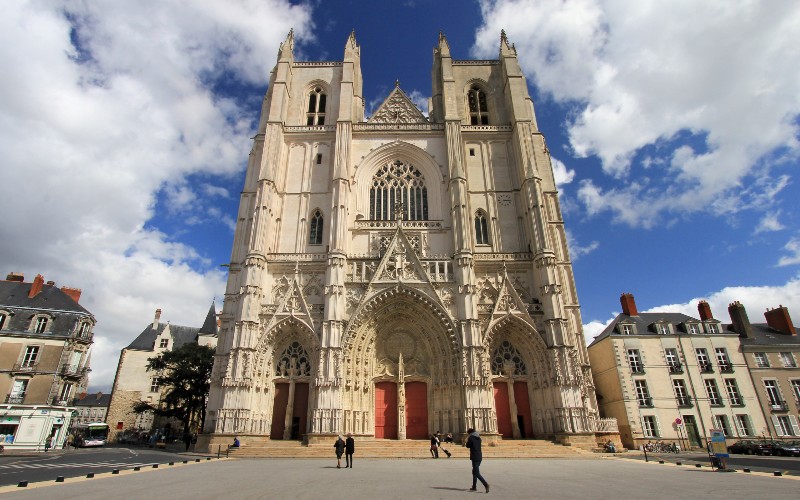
(401, 274)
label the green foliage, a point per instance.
(185, 378)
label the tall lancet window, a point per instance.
(394, 183)
(481, 228)
(478, 110)
(315, 231)
(316, 107)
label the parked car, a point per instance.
(751, 447)
(786, 448)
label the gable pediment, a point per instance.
(397, 108)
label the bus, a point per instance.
(91, 434)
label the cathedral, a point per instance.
(401, 274)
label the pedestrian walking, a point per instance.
(349, 449)
(339, 447)
(476, 457)
(434, 446)
(187, 440)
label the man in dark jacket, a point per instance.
(476, 456)
(349, 449)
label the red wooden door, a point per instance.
(503, 409)
(279, 411)
(385, 410)
(523, 408)
(300, 410)
(416, 410)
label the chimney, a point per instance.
(628, 304)
(780, 320)
(36, 286)
(740, 321)
(18, 277)
(156, 319)
(705, 310)
(74, 293)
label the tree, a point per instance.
(185, 376)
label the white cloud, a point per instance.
(420, 100)
(562, 174)
(793, 247)
(756, 300)
(769, 223)
(576, 251)
(91, 132)
(724, 76)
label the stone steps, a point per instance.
(372, 448)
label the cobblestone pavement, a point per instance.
(401, 479)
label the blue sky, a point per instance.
(125, 128)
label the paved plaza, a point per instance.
(402, 479)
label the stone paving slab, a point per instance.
(410, 479)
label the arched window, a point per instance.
(316, 107)
(293, 361)
(478, 110)
(481, 228)
(315, 232)
(394, 183)
(507, 360)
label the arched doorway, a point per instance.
(401, 368)
(510, 381)
(290, 403)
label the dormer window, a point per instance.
(3, 320)
(316, 107)
(693, 328)
(662, 328)
(40, 324)
(712, 328)
(83, 329)
(626, 329)
(478, 110)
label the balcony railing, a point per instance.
(707, 368)
(676, 368)
(726, 367)
(684, 402)
(646, 402)
(26, 366)
(72, 371)
(779, 405)
(15, 398)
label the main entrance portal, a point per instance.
(416, 410)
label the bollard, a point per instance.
(137, 468)
(60, 479)
(196, 459)
(186, 461)
(697, 465)
(90, 475)
(22, 484)
(208, 458)
(745, 470)
(678, 463)
(172, 463)
(155, 466)
(777, 473)
(661, 462)
(115, 471)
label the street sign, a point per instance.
(678, 422)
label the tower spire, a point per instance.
(286, 50)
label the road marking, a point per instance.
(74, 465)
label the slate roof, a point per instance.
(643, 322)
(180, 334)
(51, 299)
(764, 335)
(94, 400)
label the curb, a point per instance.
(704, 468)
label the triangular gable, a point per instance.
(397, 108)
(293, 303)
(508, 301)
(400, 263)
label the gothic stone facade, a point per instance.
(403, 274)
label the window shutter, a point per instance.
(795, 427)
(658, 426)
(777, 425)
